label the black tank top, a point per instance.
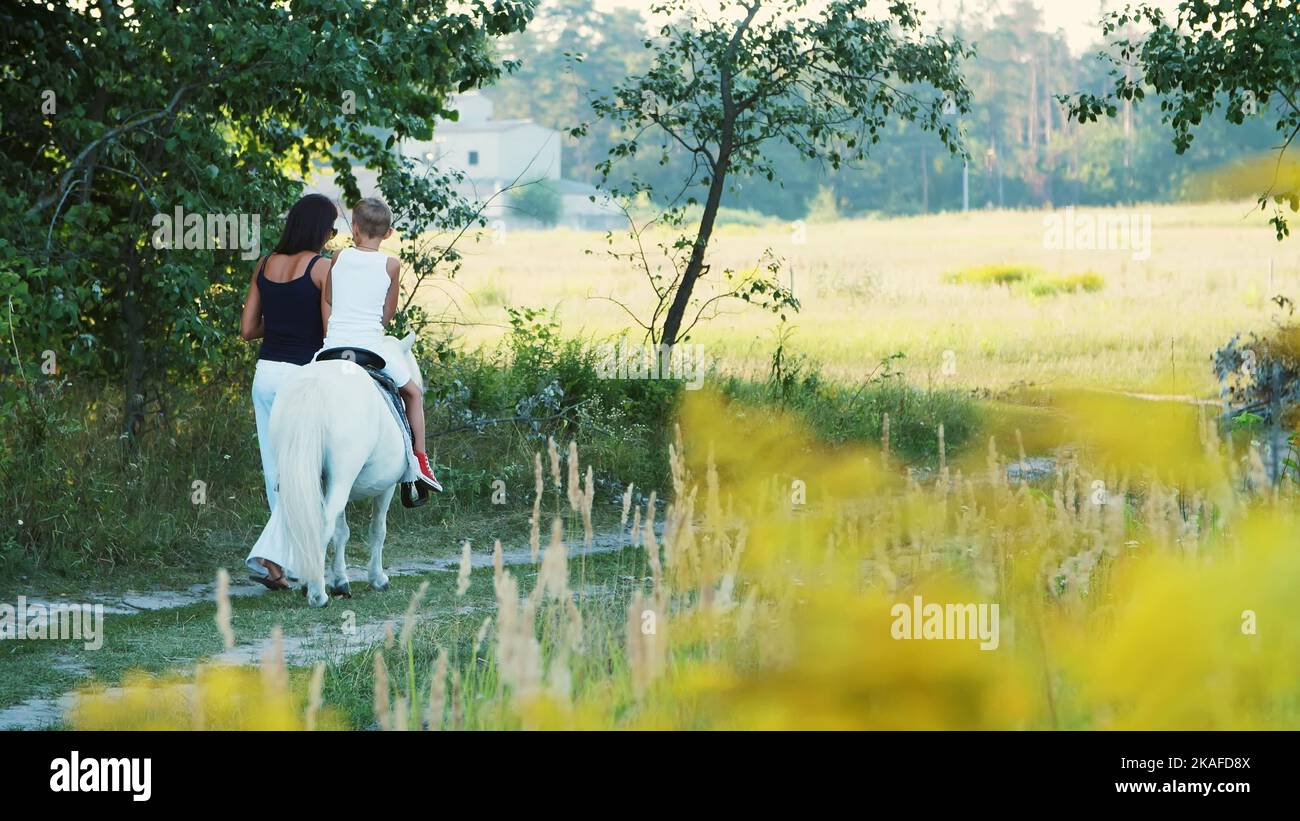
(293, 331)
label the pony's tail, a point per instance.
(297, 427)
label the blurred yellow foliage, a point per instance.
(1164, 601)
(219, 697)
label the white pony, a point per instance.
(332, 421)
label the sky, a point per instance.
(1077, 18)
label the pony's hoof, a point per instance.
(322, 600)
(381, 586)
(343, 591)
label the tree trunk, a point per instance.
(925, 183)
(133, 376)
(136, 367)
(695, 267)
(1032, 123)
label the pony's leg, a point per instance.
(378, 531)
(336, 498)
(338, 580)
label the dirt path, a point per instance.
(323, 642)
(134, 601)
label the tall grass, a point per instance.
(81, 500)
(751, 607)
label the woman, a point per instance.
(283, 310)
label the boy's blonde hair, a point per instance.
(371, 217)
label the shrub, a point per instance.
(89, 501)
(993, 275)
(1259, 383)
(538, 200)
(846, 413)
(824, 206)
(81, 499)
(1087, 282)
(1030, 280)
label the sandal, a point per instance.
(270, 582)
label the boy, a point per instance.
(359, 299)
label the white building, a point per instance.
(489, 151)
(494, 155)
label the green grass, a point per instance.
(165, 641)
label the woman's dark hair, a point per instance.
(309, 225)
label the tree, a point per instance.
(1238, 55)
(822, 78)
(571, 53)
(567, 50)
(537, 200)
(115, 114)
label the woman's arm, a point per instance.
(250, 322)
(390, 301)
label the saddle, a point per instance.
(413, 494)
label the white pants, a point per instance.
(267, 380)
(266, 384)
(271, 544)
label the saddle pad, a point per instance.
(398, 410)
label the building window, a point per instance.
(473, 158)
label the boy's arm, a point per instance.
(250, 322)
(390, 301)
(326, 297)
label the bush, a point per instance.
(842, 413)
(1259, 383)
(1030, 280)
(88, 501)
(824, 206)
(82, 500)
(1087, 282)
(993, 275)
(538, 200)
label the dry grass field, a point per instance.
(870, 288)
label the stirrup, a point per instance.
(414, 494)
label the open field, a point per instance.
(870, 288)
(1123, 540)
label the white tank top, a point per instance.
(359, 284)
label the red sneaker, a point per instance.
(426, 473)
